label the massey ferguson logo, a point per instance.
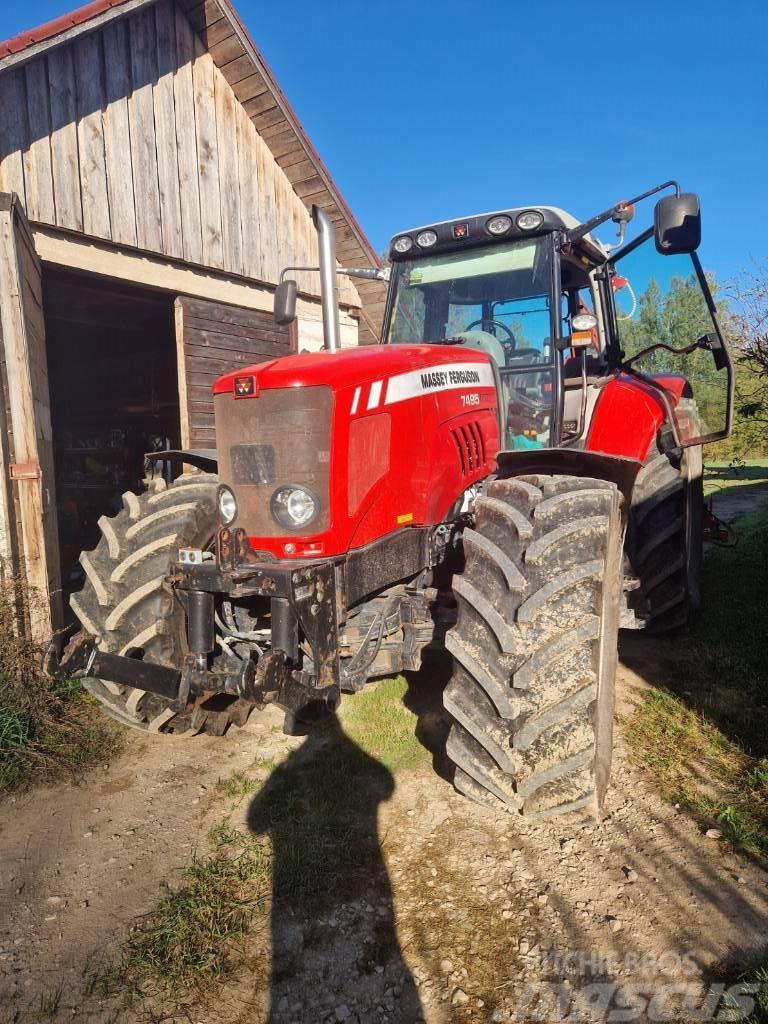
(245, 387)
(448, 378)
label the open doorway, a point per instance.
(114, 396)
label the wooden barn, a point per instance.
(153, 182)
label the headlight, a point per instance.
(402, 244)
(425, 239)
(584, 322)
(294, 507)
(499, 225)
(227, 505)
(530, 220)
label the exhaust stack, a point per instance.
(326, 237)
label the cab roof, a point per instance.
(553, 219)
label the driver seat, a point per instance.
(482, 341)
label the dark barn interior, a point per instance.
(114, 397)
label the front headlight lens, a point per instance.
(530, 220)
(294, 507)
(426, 238)
(402, 244)
(227, 506)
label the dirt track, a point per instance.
(479, 905)
(462, 911)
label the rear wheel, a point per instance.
(664, 539)
(534, 646)
(125, 604)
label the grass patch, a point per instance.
(722, 477)
(704, 735)
(195, 935)
(312, 838)
(379, 721)
(752, 970)
(47, 728)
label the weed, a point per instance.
(237, 786)
(194, 935)
(49, 1005)
(752, 969)
(47, 728)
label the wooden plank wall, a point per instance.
(26, 373)
(132, 134)
(241, 64)
(212, 339)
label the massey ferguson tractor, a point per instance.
(512, 475)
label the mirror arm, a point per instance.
(287, 270)
(616, 211)
(364, 273)
(627, 363)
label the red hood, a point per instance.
(349, 366)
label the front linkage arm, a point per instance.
(301, 595)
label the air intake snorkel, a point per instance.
(326, 237)
(286, 293)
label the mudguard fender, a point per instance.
(618, 469)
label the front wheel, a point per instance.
(126, 605)
(534, 646)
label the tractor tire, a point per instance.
(534, 647)
(665, 538)
(125, 605)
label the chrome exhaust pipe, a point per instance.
(326, 237)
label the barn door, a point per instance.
(28, 472)
(213, 338)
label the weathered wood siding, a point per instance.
(29, 444)
(133, 134)
(213, 339)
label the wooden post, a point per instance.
(31, 469)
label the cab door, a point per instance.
(663, 303)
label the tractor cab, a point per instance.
(559, 314)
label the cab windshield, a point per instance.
(497, 299)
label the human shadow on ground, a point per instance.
(334, 939)
(425, 699)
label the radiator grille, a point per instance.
(470, 445)
(280, 437)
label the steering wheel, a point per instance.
(508, 344)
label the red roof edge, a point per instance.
(54, 28)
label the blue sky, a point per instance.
(430, 109)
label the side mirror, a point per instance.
(285, 302)
(677, 224)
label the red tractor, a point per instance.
(511, 475)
